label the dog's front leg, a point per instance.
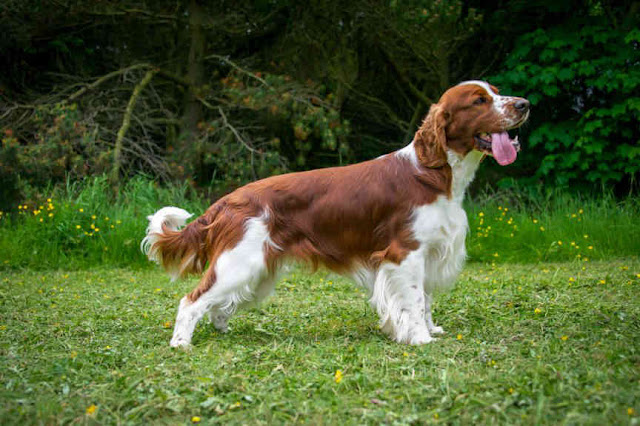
(400, 302)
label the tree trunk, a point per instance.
(195, 76)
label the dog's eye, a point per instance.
(480, 101)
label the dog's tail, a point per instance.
(179, 251)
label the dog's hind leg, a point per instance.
(235, 279)
(220, 319)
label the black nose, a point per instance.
(521, 105)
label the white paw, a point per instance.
(420, 338)
(179, 342)
(436, 330)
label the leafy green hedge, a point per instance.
(583, 81)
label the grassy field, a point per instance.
(84, 224)
(542, 343)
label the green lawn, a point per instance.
(535, 344)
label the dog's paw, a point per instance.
(436, 330)
(420, 338)
(179, 342)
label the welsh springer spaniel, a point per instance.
(394, 224)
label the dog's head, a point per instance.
(473, 115)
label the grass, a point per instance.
(83, 225)
(540, 343)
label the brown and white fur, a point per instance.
(394, 224)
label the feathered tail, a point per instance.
(180, 252)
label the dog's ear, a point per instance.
(431, 140)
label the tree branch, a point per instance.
(126, 121)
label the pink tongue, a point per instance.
(502, 148)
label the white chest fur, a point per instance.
(441, 227)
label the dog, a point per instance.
(394, 224)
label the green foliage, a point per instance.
(512, 226)
(530, 226)
(525, 344)
(84, 224)
(583, 81)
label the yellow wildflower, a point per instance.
(459, 337)
(78, 226)
(80, 210)
(542, 228)
(91, 409)
(564, 338)
(405, 354)
(602, 282)
(537, 311)
(510, 390)
(559, 242)
(590, 247)
(481, 214)
(338, 376)
(195, 419)
(93, 216)
(48, 200)
(571, 279)
(580, 211)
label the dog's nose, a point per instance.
(521, 105)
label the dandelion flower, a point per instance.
(481, 214)
(195, 419)
(559, 243)
(93, 216)
(542, 228)
(81, 210)
(459, 337)
(338, 376)
(564, 338)
(510, 390)
(537, 311)
(631, 411)
(602, 282)
(91, 409)
(78, 226)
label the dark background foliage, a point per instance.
(219, 93)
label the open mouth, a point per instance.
(503, 147)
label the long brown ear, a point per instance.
(430, 140)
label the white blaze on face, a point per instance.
(499, 102)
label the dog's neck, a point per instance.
(463, 169)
